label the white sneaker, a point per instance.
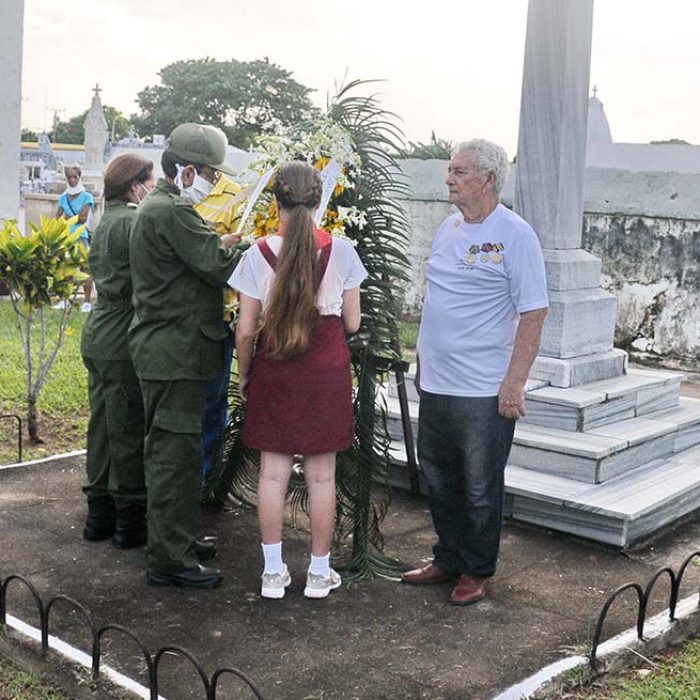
(274, 585)
(60, 306)
(319, 586)
(86, 307)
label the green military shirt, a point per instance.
(179, 269)
(104, 332)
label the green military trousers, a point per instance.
(114, 461)
(173, 460)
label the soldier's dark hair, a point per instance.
(123, 172)
(169, 162)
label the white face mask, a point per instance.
(198, 190)
(76, 189)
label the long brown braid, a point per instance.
(291, 314)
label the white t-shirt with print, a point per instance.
(254, 276)
(480, 277)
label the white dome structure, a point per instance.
(598, 127)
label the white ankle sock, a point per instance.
(320, 566)
(273, 558)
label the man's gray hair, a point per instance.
(489, 157)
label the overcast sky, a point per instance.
(452, 66)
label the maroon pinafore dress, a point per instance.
(303, 405)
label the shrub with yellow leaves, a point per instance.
(41, 268)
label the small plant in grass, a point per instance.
(40, 269)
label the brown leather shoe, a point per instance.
(468, 590)
(426, 576)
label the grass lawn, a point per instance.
(63, 403)
(672, 675)
(18, 685)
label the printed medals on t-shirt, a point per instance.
(486, 252)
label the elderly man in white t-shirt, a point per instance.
(485, 304)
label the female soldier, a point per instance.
(115, 476)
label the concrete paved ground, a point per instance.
(377, 639)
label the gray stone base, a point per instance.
(571, 269)
(579, 322)
(579, 370)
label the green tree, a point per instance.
(40, 268)
(244, 98)
(73, 131)
(29, 135)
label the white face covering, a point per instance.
(198, 190)
(76, 189)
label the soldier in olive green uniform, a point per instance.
(115, 474)
(179, 268)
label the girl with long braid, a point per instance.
(299, 296)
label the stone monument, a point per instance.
(11, 30)
(577, 343)
(96, 138)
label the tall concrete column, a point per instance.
(577, 343)
(11, 27)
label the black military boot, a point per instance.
(99, 524)
(131, 530)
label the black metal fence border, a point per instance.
(14, 416)
(210, 684)
(643, 595)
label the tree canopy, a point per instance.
(72, 130)
(244, 98)
(437, 148)
(672, 142)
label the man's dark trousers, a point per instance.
(463, 447)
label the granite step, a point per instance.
(623, 510)
(588, 406)
(620, 511)
(599, 454)
(610, 449)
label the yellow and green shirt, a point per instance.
(222, 208)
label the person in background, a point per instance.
(220, 209)
(114, 464)
(179, 268)
(77, 201)
(305, 287)
(485, 305)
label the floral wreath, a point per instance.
(329, 148)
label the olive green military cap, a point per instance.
(200, 144)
